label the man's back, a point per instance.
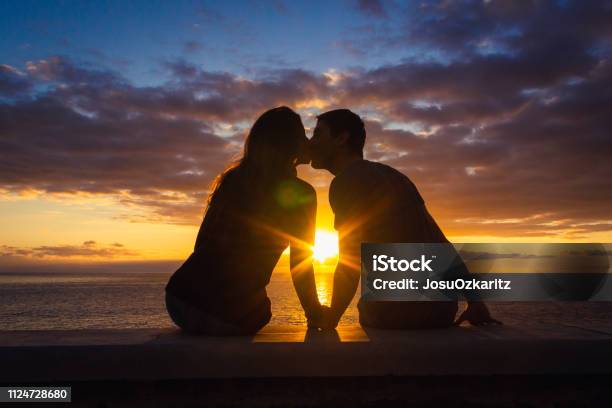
(373, 202)
(382, 203)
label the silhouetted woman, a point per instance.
(257, 208)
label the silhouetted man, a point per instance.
(373, 202)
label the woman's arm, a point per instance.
(300, 258)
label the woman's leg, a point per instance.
(176, 310)
(258, 318)
(192, 320)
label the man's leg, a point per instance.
(407, 315)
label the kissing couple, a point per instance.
(258, 206)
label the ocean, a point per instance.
(58, 301)
(104, 300)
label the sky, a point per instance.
(115, 116)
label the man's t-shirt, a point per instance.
(373, 202)
(382, 203)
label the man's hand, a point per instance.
(477, 314)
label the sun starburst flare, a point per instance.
(326, 245)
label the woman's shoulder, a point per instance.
(304, 186)
(294, 192)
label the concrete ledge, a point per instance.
(278, 351)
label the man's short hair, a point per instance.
(341, 120)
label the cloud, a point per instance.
(59, 69)
(88, 250)
(52, 145)
(193, 46)
(502, 119)
(483, 255)
(457, 30)
(158, 148)
(12, 81)
(373, 8)
(20, 266)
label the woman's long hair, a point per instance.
(273, 143)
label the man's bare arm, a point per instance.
(346, 276)
(477, 312)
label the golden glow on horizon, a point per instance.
(32, 221)
(326, 245)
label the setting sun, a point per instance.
(326, 245)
